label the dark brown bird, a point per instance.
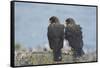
(73, 33)
(56, 37)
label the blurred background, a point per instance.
(32, 20)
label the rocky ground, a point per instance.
(25, 57)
